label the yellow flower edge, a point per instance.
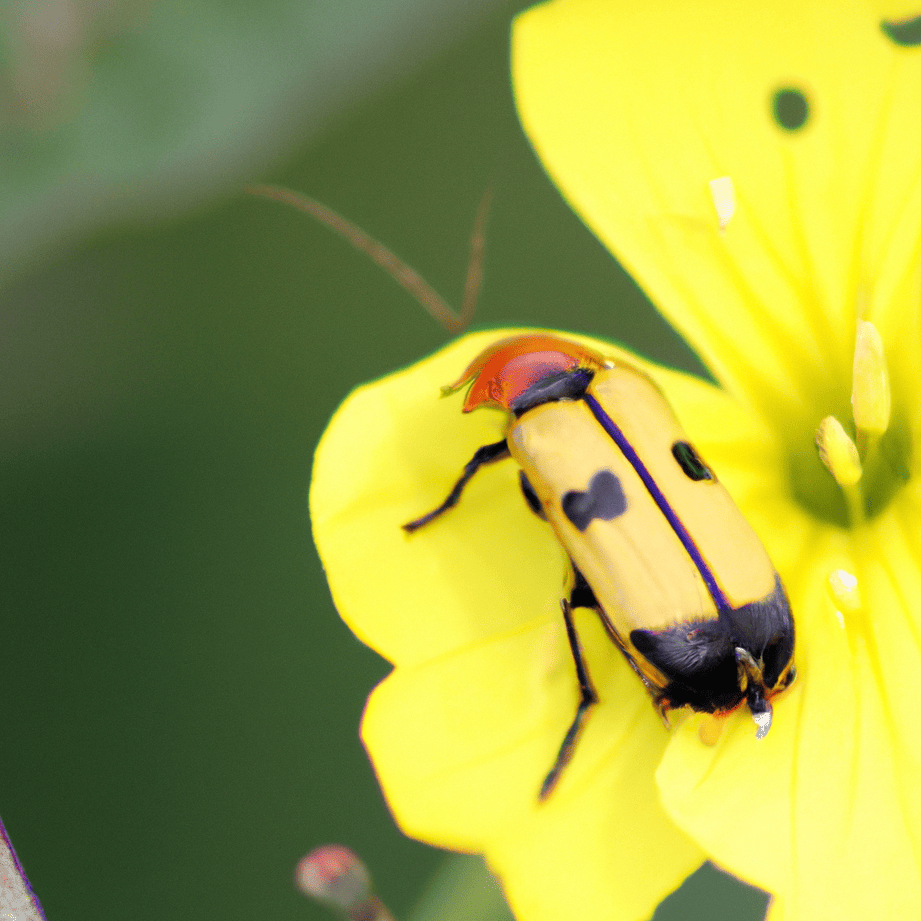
(467, 609)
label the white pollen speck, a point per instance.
(723, 193)
(844, 590)
(847, 579)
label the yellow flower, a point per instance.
(758, 169)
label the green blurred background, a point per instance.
(180, 700)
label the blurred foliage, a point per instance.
(182, 701)
(116, 110)
(461, 889)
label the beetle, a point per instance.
(680, 580)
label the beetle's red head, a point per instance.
(505, 370)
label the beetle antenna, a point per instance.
(476, 250)
(401, 272)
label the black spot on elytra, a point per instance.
(904, 32)
(790, 108)
(689, 461)
(604, 499)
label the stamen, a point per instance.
(871, 397)
(844, 592)
(838, 452)
(723, 193)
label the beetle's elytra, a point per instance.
(659, 549)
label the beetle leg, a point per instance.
(533, 500)
(751, 680)
(588, 698)
(485, 455)
(582, 595)
(662, 705)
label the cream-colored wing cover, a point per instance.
(635, 563)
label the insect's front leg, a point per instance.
(488, 454)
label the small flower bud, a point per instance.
(871, 397)
(335, 876)
(838, 452)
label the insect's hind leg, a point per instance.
(488, 454)
(588, 697)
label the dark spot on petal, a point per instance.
(904, 32)
(604, 499)
(790, 108)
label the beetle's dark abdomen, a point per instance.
(699, 657)
(699, 660)
(765, 628)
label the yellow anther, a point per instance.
(838, 452)
(871, 397)
(844, 591)
(723, 193)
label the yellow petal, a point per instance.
(461, 745)
(825, 810)
(392, 452)
(775, 910)
(636, 108)
(887, 557)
